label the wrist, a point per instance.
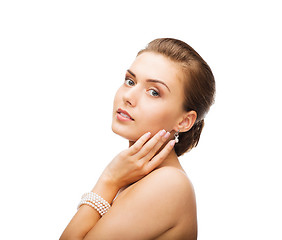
(106, 188)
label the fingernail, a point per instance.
(148, 134)
(172, 143)
(167, 135)
(162, 132)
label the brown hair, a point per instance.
(199, 88)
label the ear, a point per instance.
(187, 121)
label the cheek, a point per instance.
(159, 118)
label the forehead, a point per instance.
(150, 65)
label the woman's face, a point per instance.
(150, 99)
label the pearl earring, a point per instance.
(176, 136)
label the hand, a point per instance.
(138, 160)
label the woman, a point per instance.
(160, 109)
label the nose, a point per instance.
(130, 96)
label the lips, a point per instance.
(124, 114)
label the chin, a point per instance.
(129, 135)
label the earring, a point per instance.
(176, 137)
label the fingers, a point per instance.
(158, 159)
(144, 149)
(139, 143)
(153, 146)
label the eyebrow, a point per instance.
(150, 80)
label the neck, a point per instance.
(171, 161)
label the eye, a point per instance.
(129, 82)
(154, 93)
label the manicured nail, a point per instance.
(148, 134)
(167, 135)
(162, 132)
(172, 143)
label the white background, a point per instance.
(60, 65)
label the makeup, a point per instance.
(123, 115)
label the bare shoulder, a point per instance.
(169, 180)
(175, 193)
(170, 177)
(159, 206)
(166, 188)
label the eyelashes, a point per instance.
(129, 82)
(152, 91)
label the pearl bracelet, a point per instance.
(95, 201)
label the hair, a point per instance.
(199, 85)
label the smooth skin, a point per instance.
(151, 196)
